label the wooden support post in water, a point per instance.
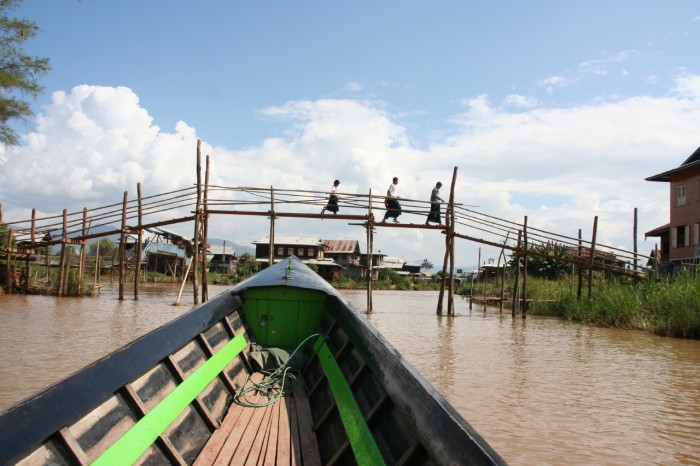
(634, 239)
(451, 235)
(61, 273)
(580, 269)
(81, 261)
(122, 249)
(524, 308)
(198, 211)
(8, 262)
(592, 258)
(139, 244)
(205, 233)
(271, 243)
(516, 284)
(370, 246)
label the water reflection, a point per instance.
(541, 391)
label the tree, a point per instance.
(547, 260)
(19, 73)
(246, 266)
(107, 247)
(426, 265)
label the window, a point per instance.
(310, 252)
(280, 251)
(680, 195)
(696, 234)
(300, 252)
(290, 251)
(680, 236)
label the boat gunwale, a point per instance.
(27, 425)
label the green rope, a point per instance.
(273, 385)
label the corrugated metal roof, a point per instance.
(339, 246)
(291, 240)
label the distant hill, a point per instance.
(236, 247)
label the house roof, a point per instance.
(341, 246)
(658, 231)
(692, 161)
(291, 240)
(220, 249)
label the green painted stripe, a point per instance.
(136, 440)
(360, 436)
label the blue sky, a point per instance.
(555, 110)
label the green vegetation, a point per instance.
(667, 307)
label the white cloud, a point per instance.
(559, 166)
(520, 101)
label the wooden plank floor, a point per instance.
(278, 434)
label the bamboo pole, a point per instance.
(61, 274)
(370, 247)
(451, 234)
(580, 269)
(197, 218)
(524, 304)
(592, 258)
(8, 262)
(184, 280)
(516, 287)
(81, 260)
(634, 239)
(271, 243)
(205, 234)
(138, 252)
(122, 248)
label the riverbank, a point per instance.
(666, 307)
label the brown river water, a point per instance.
(541, 391)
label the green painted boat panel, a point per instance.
(282, 317)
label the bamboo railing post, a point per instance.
(8, 262)
(451, 234)
(524, 305)
(271, 243)
(516, 287)
(61, 273)
(195, 246)
(97, 263)
(370, 247)
(580, 269)
(592, 258)
(139, 244)
(81, 260)
(634, 239)
(205, 233)
(122, 249)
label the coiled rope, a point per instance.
(275, 385)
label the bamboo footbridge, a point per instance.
(203, 202)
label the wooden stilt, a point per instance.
(516, 284)
(451, 236)
(61, 263)
(205, 234)
(370, 247)
(122, 249)
(580, 269)
(524, 302)
(81, 259)
(271, 252)
(197, 218)
(139, 244)
(592, 258)
(634, 239)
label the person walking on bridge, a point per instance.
(332, 205)
(435, 200)
(391, 202)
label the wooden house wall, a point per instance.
(685, 218)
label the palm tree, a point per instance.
(426, 265)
